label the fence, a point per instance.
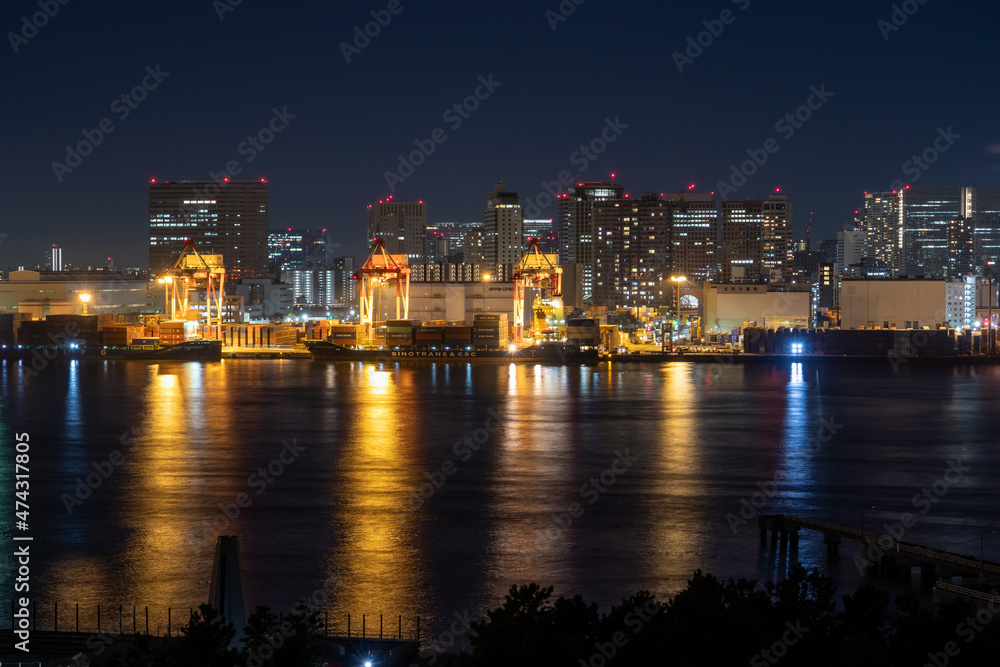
(134, 620)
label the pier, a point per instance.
(881, 551)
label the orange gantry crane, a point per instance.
(380, 269)
(538, 270)
(190, 272)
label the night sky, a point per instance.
(220, 81)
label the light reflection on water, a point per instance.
(376, 435)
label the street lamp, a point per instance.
(166, 282)
(676, 280)
(486, 279)
(85, 298)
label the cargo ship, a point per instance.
(193, 350)
(488, 338)
(558, 353)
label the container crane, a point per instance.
(378, 270)
(188, 273)
(538, 270)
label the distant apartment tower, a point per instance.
(961, 249)
(56, 260)
(345, 284)
(776, 239)
(694, 235)
(576, 228)
(228, 219)
(472, 249)
(632, 251)
(742, 228)
(401, 226)
(503, 232)
(311, 286)
(882, 224)
(435, 244)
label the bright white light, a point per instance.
(368, 663)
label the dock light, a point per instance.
(86, 299)
(796, 348)
(368, 663)
(512, 348)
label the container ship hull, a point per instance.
(553, 353)
(201, 350)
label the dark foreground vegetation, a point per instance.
(711, 622)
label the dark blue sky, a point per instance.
(557, 87)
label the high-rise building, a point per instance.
(918, 231)
(983, 206)
(695, 233)
(345, 286)
(311, 286)
(472, 248)
(926, 213)
(295, 248)
(961, 251)
(852, 249)
(883, 228)
(742, 233)
(56, 261)
(828, 251)
(445, 241)
(776, 239)
(544, 233)
(632, 251)
(575, 227)
(503, 231)
(435, 244)
(400, 225)
(228, 219)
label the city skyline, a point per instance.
(824, 126)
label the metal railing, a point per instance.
(967, 592)
(131, 620)
(899, 547)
